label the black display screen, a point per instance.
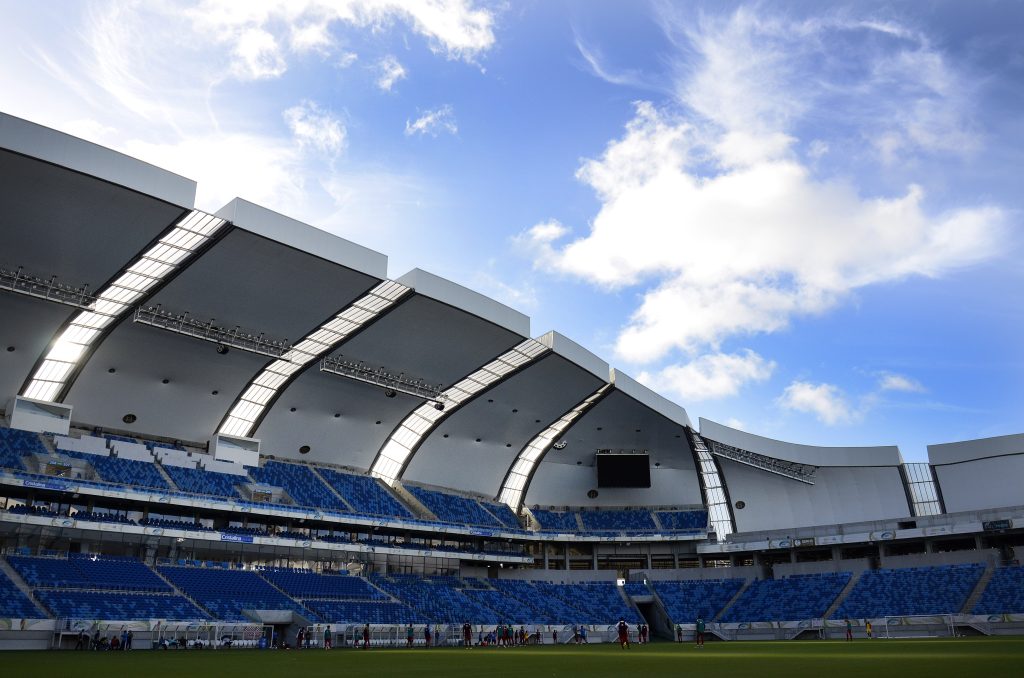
(623, 470)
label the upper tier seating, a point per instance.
(596, 602)
(301, 484)
(123, 471)
(505, 515)
(127, 606)
(15, 444)
(556, 521)
(205, 482)
(437, 601)
(1004, 593)
(364, 612)
(225, 593)
(82, 571)
(683, 521)
(636, 588)
(687, 601)
(788, 599)
(305, 584)
(910, 591)
(14, 603)
(365, 494)
(453, 508)
(618, 520)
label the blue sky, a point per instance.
(803, 219)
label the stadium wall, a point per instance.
(564, 485)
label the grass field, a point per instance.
(828, 659)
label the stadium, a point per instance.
(226, 430)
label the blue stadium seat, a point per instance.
(596, 602)
(556, 521)
(15, 604)
(683, 521)
(365, 494)
(618, 520)
(16, 444)
(364, 612)
(436, 599)
(687, 601)
(109, 573)
(125, 606)
(199, 481)
(225, 593)
(305, 584)
(301, 484)
(453, 508)
(788, 599)
(910, 591)
(1004, 593)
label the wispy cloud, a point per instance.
(389, 72)
(433, 122)
(891, 381)
(316, 128)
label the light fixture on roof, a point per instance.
(560, 445)
(172, 251)
(206, 330)
(393, 384)
(48, 289)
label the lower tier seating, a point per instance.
(226, 593)
(687, 601)
(910, 591)
(14, 603)
(788, 599)
(595, 602)
(126, 606)
(364, 612)
(1004, 593)
(305, 584)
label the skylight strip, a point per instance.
(243, 417)
(517, 480)
(398, 450)
(113, 301)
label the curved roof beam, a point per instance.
(520, 473)
(263, 390)
(55, 372)
(401, 445)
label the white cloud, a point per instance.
(257, 56)
(432, 122)
(824, 401)
(316, 128)
(389, 71)
(890, 381)
(710, 209)
(733, 422)
(347, 59)
(710, 376)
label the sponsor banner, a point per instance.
(62, 522)
(806, 541)
(237, 538)
(882, 536)
(993, 525)
(46, 484)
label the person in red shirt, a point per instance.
(366, 637)
(623, 629)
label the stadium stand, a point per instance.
(910, 591)
(205, 482)
(300, 483)
(124, 606)
(1004, 593)
(556, 521)
(226, 593)
(596, 602)
(686, 601)
(453, 508)
(618, 520)
(788, 599)
(15, 444)
(123, 471)
(14, 603)
(505, 515)
(109, 573)
(305, 584)
(364, 612)
(548, 609)
(683, 521)
(365, 494)
(435, 599)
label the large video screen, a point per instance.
(623, 470)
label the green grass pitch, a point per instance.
(827, 659)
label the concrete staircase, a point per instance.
(414, 504)
(167, 478)
(842, 595)
(16, 579)
(979, 589)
